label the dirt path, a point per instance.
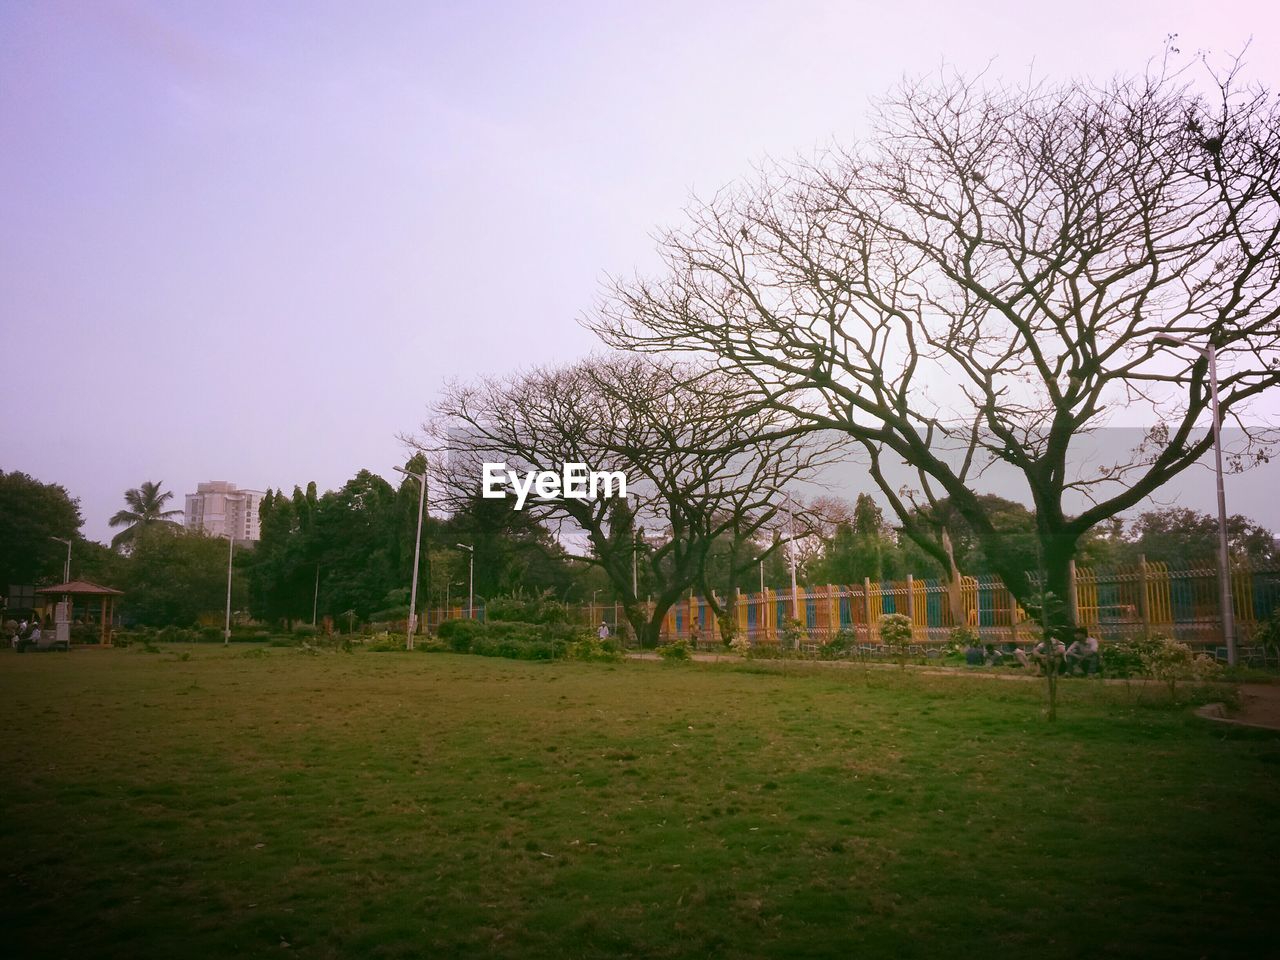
(1259, 707)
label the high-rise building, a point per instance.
(220, 508)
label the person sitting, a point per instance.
(28, 635)
(1039, 655)
(973, 655)
(1083, 653)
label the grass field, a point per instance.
(210, 803)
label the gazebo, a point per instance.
(87, 592)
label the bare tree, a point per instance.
(681, 435)
(984, 281)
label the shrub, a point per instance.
(305, 630)
(793, 631)
(210, 634)
(961, 639)
(896, 634)
(675, 652)
(1169, 662)
(592, 648)
(542, 609)
(741, 646)
(1127, 658)
(843, 644)
(460, 634)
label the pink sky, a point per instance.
(248, 241)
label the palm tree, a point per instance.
(146, 510)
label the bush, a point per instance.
(676, 651)
(305, 630)
(843, 644)
(178, 635)
(1169, 662)
(542, 609)
(741, 646)
(593, 648)
(793, 631)
(896, 634)
(460, 634)
(1127, 658)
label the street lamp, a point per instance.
(417, 546)
(447, 586)
(471, 586)
(66, 567)
(1224, 561)
(231, 549)
(66, 578)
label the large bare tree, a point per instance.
(703, 463)
(985, 279)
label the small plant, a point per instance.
(843, 644)
(1170, 661)
(592, 648)
(676, 651)
(460, 634)
(896, 634)
(741, 646)
(793, 631)
(961, 639)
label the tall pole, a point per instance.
(315, 596)
(1224, 557)
(795, 591)
(471, 587)
(417, 549)
(231, 549)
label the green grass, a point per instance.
(409, 805)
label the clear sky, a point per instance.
(248, 241)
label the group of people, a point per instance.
(1081, 656)
(25, 635)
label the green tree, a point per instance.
(172, 579)
(145, 512)
(31, 513)
(1182, 537)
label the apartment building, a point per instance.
(220, 508)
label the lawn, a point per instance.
(211, 803)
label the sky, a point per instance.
(250, 241)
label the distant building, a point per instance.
(219, 508)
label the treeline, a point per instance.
(347, 554)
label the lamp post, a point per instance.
(471, 586)
(1224, 559)
(594, 594)
(66, 567)
(417, 546)
(448, 584)
(66, 578)
(231, 550)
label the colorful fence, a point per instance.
(1148, 597)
